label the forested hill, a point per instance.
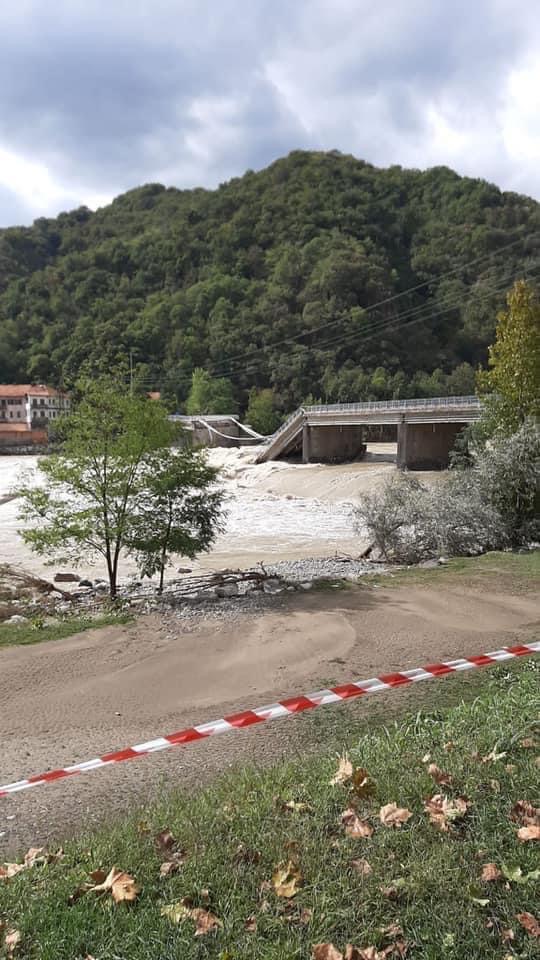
(274, 279)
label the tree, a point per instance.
(208, 395)
(92, 488)
(180, 513)
(261, 413)
(513, 377)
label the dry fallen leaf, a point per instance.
(287, 879)
(507, 935)
(444, 812)
(528, 743)
(343, 774)
(205, 922)
(490, 872)
(9, 870)
(354, 827)
(528, 833)
(119, 884)
(168, 868)
(325, 951)
(362, 867)
(12, 941)
(243, 854)
(393, 816)
(165, 841)
(443, 779)
(525, 813)
(362, 784)
(530, 923)
(250, 925)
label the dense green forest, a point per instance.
(320, 276)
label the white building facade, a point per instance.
(31, 404)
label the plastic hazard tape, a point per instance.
(275, 711)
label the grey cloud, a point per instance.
(110, 94)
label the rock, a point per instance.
(428, 564)
(273, 585)
(101, 587)
(66, 578)
(56, 595)
(184, 570)
(227, 590)
(85, 583)
(16, 618)
(306, 586)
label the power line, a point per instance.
(376, 326)
(380, 303)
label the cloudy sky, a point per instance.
(97, 96)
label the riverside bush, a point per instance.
(492, 504)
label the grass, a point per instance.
(34, 632)
(435, 875)
(519, 570)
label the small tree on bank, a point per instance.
(181, 513)
(100, 482)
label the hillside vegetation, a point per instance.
(271, 280)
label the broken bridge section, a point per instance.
(331, 433)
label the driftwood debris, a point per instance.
(201, 586)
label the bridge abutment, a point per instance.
(426, 446)
(332, 444)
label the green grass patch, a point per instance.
(516, 569)
(234, 833)
(37, 632)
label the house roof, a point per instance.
(21, 390)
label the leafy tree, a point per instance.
(92, 489)
(261, 413)
(513, 376)
(180, 511)
(208, 395)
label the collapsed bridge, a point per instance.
(425, 430)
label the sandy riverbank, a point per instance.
(120, 685)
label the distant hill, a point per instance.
(271, 280)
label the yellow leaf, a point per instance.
(393, 816)
(287, 879)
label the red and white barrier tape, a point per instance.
(275, 711)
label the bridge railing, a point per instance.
(429, 403)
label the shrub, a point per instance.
(492, 504)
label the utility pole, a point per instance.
(131, 373)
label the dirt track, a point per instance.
(70, 700)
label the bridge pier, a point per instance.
(332, 444)
(426, 446)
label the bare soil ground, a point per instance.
(73, 699)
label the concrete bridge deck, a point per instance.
(426, 430)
